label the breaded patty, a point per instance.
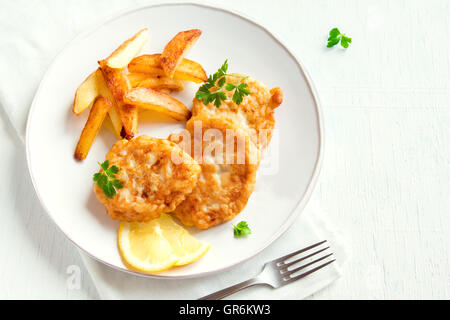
(227, 178)
(152, 182)
(255, 113)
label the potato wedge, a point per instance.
(86, 93)
(96, 116)
(151, 64)
(113, 111)
(159, 83)
(135, 78)
(117, 82)
(116, 121)
(122, 56)
(157, 101)
(153, 81)
(176, 49)
(166, 91)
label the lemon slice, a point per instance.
(158, 245)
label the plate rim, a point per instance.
(300, 205)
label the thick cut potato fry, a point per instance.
(151, 64)
(120, 58)
(159, 83)
(115, 120)
(117, 82)
(86, 93)
(157, 101)
(90, 89)
(136, 77)
(176, 49)
(113, 111)
(166, 91)
(96, 116)
(153, 81)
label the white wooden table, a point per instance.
(386, 174)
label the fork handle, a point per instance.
(230, 290)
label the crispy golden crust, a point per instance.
(118, 83)
(158, 101)
(150, 64)
(158, 83)
(152, 182)
(120, 57)
(96, 116)
(175, 50)
(255, 114)
(223, 188)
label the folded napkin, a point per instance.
(310, 228)
(29, 42)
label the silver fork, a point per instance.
(275, 273)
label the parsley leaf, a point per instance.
(218, 82)
(109, 186)
(332, 42)
(230, 86)
(345, 41)
(104, 165)
(241, 229)
(116, 183)
(240, 92)
(334, 32)
(97, 176)
(114, 169)
(336, 36)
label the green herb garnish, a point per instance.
(107, 179)
(218, 81)
(241, 229)
(336, 36)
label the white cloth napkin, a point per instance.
(31, 33)
(310, 228)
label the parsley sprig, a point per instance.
(217, 82)
(107, 179)
(241, 229)
(336, 36)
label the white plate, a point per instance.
(64, 186)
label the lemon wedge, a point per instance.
(158, 245)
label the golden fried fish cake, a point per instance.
(255, 113)
(228, 172)
(152, 182)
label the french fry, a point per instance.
(160, 83)
(136, 77)
(113, 111)
(120, 58)
(96, 116)
(85, 94)
(166, 91)
(153, 81)
(176, 49)
(117, 82)
(115, 120)
(151, 64)
(157, 101)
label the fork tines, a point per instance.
(283, 266)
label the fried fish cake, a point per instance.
(228, 161)
(255, 113)
(152, 182)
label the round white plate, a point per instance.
(64, 186)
